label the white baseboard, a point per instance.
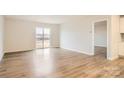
(100, 46)
(1, 57)
(77, 51)
(113, 58)
(19, 50)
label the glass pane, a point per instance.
(46, 37)
(39, 37)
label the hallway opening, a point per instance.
(100, 38)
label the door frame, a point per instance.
(93, 36)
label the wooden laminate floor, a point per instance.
(56, 62)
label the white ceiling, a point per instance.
(53, 19)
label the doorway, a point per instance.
(42, 37)
(100, 38)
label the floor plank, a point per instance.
(56, 62)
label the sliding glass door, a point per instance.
(46, 37)
(42, 37)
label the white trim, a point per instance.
(77, 51)
(19, 50)
(1, 57)
(114, 58)
(93, 23)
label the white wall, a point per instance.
(121, 35)
(100, 30)
(20, 34)
(1, 36)
(122, 24)
(113, 39)
(77, 34)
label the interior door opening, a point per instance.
(42, 37)
(100, 38)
